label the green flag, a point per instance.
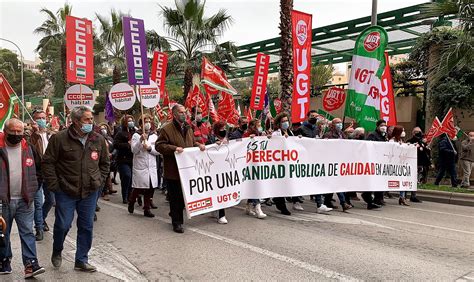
(459, 133)
(325, 114)
(368, 63)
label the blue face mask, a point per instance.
(41, 123)
(339, 126)
(131, 124)
(285, 125)
(86, 127)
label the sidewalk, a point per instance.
(462, 199)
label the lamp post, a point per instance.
(22, 85)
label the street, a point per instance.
(427, 241)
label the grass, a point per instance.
(444, 188)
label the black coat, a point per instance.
(376, 136)
(446, 151)
(423, 152)
(123, 148)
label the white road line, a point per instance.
(295, 262)
(416, 223)
(439, 212)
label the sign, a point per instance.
(79, 51)
(368, 64)
(259, 87)
(387, 99)
(334, 98)
(122, 96)
(222, 176)
(150, 95)
(79, 95)
(301, 30)
(135, 51)
(158, 69)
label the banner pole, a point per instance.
(80, 92)
(23, 106)
(141, 108)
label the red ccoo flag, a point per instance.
(447, 125)
(434, 130)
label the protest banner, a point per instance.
(79, 51)
(135, 51)
(259, 86)
(122, 96)
(158, 69)
(222, 176)
(79, 95)
(334, 98)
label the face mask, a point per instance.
(147, 126)
(41, 123)
(181, 118)
(285, 125)
(312, 120)
(383, 129)
(222, 133)
(14, 139)
(103, 131)
(244, 126)
(198, 118)
(339, 126)
(86, 127)
(131, 124)
(260, 129)
(403, 134)
(419, 134)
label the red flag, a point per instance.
(196, 98)
(158, 69)
(210, 90)
(434, 130)
(171, 105)
(301, 30)
(226, 106)
(249, 114)
(7, 101)
(212, 110)
(447, 125)
(277, 104)
(259, 87)
(159, 112)
(215, 77)
(55, 124)
(79, 51)
(166, 99)
(387, 99)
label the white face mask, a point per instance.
(147, 126)
(383, 129)
(403, 134)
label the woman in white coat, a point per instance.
(144, 171)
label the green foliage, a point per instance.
(320, 76)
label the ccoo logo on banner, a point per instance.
(135, 51)
(79, 51)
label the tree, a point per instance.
(52, 47)
(320, 75)
(286, 54)
(193, 34)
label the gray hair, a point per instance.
(13, 121)
(358, 131)
(78, 112)
(175, 108)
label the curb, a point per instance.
(453, 198)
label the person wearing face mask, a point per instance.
(40, 139)
(309, 128)
(174, 137)
(379, 135)
(239, 132)
(75, 166)
(145, 171)
(20, 178)
(467, 159)
(397, 135)
(200, 128)
(124, 157)
(423, 158)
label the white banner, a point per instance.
(222, 176)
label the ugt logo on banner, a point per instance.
(302, 38)
(79, 51)
(135, 51)
(333, 98)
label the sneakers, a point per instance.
(323, 208)
(6, 267)
(258, 212)
(56, 259)
(250, 209)
(85, 267)
(39, 234)
(222, 220)
(297, 207)
(32, 269)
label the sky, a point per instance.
(253, 20)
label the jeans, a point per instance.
(451, 168)
(403, 194)
(48, 201)
(85, 208)
(467, 167)
(328, 198)
(125, 171)
(23, 214)
(38, 217)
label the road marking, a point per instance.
(468, 277)
(439, 212)
(108, 260)
(416, 223)
(295, 262)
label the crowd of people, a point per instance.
(72, 168)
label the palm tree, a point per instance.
(193, 34)
(53, 30)
(286, 54)
(111, 39)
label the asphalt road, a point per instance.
(427, 241)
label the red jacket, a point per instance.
(30, 161)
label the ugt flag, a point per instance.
(368, 64)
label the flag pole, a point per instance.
(23, 106)
(80, 92)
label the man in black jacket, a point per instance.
(379, 135)
(423, 157)
(446, 160)
(239, 132)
